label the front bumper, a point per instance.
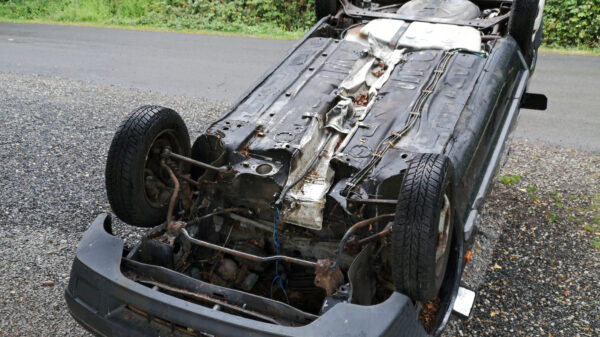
(107, 303)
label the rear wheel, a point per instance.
(137, 185)
(521, 25)
(422, 230)
(325, 7)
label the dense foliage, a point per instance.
(572, 23)
(266, 17)
(288, 15)
(567, 23)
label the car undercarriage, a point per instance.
(351, 172)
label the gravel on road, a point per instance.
(534, 262)
(536, 259)
(53, 145)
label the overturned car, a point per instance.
(338, 197)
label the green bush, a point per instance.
(133, 8)
(74, 10)
(230, 15)
(572, 23)
(269, 17)
(30, 10)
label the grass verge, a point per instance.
(265, 18)
(570, 51)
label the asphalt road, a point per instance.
(215, 67)
(222, 67)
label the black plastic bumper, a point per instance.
(102, 299)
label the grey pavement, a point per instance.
(223, 67)
(215, 67)
(572, 84)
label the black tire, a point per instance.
(537, 42)
(325, 7)
(136, 185)
(424, 193)
(520, 25)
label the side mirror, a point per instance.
(534, 101)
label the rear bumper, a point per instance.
(107, 303)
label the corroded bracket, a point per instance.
(326, 278)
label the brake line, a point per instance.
(277, 277)
(245, 255)
(354, 228)
(412, 119)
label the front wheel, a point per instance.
(422, 229)
(137, 185)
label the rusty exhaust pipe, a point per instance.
(245, 255)
(167, 153)
(353, 229)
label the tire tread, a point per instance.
(415, 228)
(122, 169)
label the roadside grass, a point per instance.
(532, 190)
(153, 15)
(596, 244)
(552, 217)
(584, 51)
(578, 211)
(583, 211)
(509, 179)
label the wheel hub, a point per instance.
(443, 236)
(157, 182)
